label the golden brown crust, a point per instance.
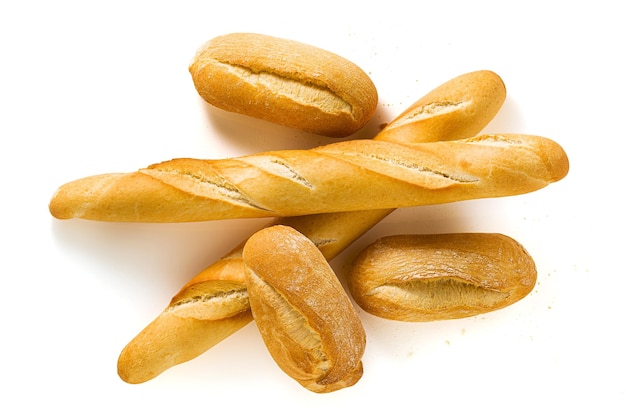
(343, 176)
(285, 82)
(209, 308)
(471, 99)
(171, 340)
(303, 313)
(333, 232)
(438, 277)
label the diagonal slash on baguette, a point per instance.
(345, 176)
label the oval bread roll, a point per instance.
(284, 82)
(303, 313)
(438, 277)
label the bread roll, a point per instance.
(438, 277)
(285, 82)
(148, 354)
(344, 176)
(303, 313)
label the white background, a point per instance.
(96, 87)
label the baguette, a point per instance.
(285, 82)
(344, 176)
(330, 232)
(440, 277)
(304, 315)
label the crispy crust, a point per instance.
(471, 100)
(285, 82)
(344, 176)
(439, 277)
(302, 311)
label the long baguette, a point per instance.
(344, 176)
(150, 353)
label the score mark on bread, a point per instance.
(343, 176)
(285, 82)
(303, 313)
(437, 277)
(300, 92)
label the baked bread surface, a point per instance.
(439, 277)
(285, 82)
(457, 109)
(301, 309)
(344, 176)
